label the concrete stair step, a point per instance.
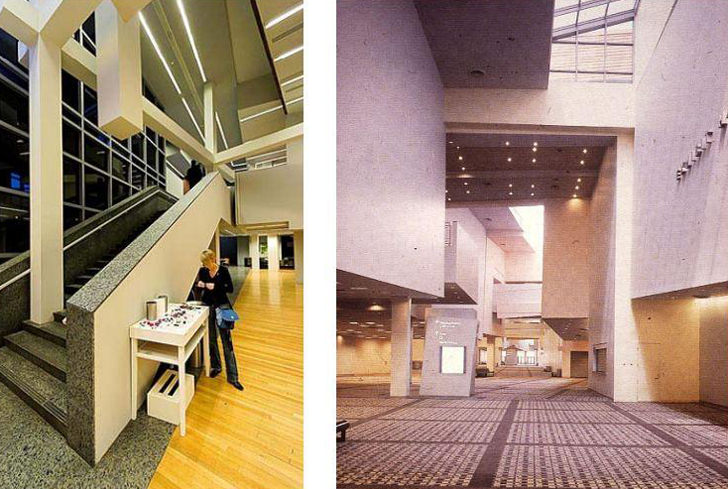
(47, 355)
(39, 389)
(53, 331)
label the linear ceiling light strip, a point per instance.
(159, 52)
(222, 133)
(263, 112)
(194, 121)
(284, 15)
(186, 22)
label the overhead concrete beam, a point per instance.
(20, 19)
(119, 78)
(129, 8)
(259, 145)
(59, 19)
(79, 62)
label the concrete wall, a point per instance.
(174, 183)
(714, 350)
(390, 147)
(524, 267)
(273, 194)
(465, 259)
(355, 356)
(648, 27)
(566, 258)
(494, 270)
(566, 349)
(601, 266)
(565, 103)
(681, 228)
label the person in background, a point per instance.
(215, 283)
(193, 176)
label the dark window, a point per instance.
(71, 140)
(97, 189)
(14, 233)
(96, 154)
(14, 162)
(119, 191)
(71, 216)
(71, 90)
(90, 105)
(13, 107)
(137, 177)
(600, 360)
(120, 167)
(151, 159)
(8, 47)
(137, 145)
(71, 181)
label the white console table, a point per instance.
(172, 344)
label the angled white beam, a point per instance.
(172, 132)
(79, 62)
(129, 8)
(59, 19)
(259, 145)
(46, 181)
(119, 78)
(20, 19)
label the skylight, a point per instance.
(593, 40)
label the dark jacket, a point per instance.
(223, 286)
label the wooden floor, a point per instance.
(250, 439)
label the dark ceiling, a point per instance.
(487, 167)
(489, 44)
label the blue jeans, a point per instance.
(231, 366)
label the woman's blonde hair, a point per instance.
(208, 258)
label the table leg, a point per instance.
(182, 389)
(134, 378)
(206, 349)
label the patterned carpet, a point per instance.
(528, 432)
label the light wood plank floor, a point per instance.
(254, 438)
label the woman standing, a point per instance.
(215, 283)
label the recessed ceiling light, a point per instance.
(581, 162)
(462, 168)
(576, 188)
(460, 158)
(574, 195)
(510, 185)
(449, 142)
(353, 322)
(578, 180)
(457, 147)
(535, 143)
(533, 186)
(533, 160)
(467, 191)
(584, 151)
(532, 194)
(534, 149)
(509, 159)
(508, 143)
(510, 193)
(449, 199)
(465, 183)
(284, 15)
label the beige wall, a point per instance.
(566, 349)
(524, 267)
(273, 194)
(714, 350)
(355, 356)
(169, 268)
(465, 259)
(174, 183)
(495, 269)
(565, 258)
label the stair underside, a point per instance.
(39, 389)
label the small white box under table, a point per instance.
(171, 344)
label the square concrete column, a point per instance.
(254, 252)
(298, 255)
(46, 181)
(273, 252)
(401, 362)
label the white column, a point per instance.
(273, 252)
(46, 182)
(209, 114)
(401, 361)
(254, 252)
(298, 255)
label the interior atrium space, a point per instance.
(151, 180)
(532, 250)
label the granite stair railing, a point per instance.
(34, 358)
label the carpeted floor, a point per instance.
(528, 432)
